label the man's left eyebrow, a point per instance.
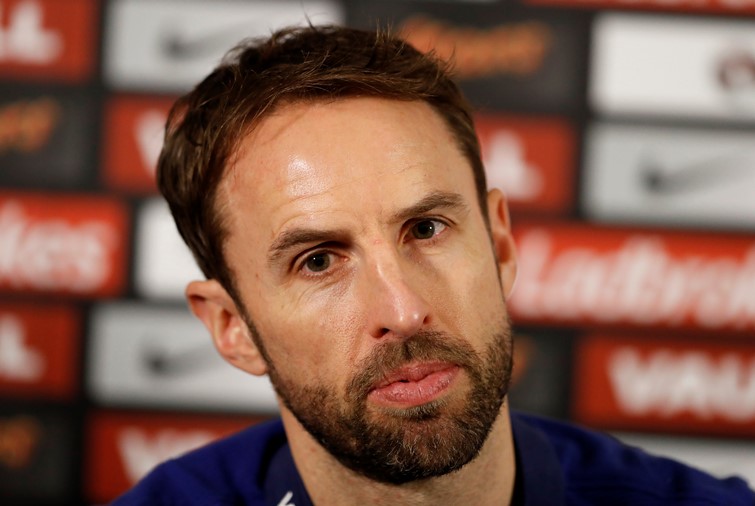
(432, 202)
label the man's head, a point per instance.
(329, 184)
(258, 76)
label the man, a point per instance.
(329, 184)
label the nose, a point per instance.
(395, 306)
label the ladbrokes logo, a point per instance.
(592, 275)
(47, 38)
(26, 125)
(665, 384)
(62, 244)
(518, 49)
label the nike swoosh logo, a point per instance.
(661, 179)
(166, 363)
(180, 45)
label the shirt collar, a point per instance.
(539, 480)
(283, 485)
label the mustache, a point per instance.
(423, 346)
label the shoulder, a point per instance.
(599, 469)
(225, 472)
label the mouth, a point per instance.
(414, 384)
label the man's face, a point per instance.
(369, 279)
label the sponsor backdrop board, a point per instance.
(163, 264)
(505, 56)
(166, 46)
(621, 131)
(38, 455)
(123, 446)
(133, 139)
(45, 136)
(670, 176)
(531, 159)
(63, 244)
(142, 355)
(49, 40)
(670, 66)
(40, 351)
(540, 379)
(653, 382)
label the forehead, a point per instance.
(327, 159)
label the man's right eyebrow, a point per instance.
(295, 237)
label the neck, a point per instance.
(487, 480)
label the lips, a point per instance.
(414, 384)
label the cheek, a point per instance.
(466, 290)
(310, 336)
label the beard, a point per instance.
(396, 445)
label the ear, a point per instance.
(503, 241)
(212, 304)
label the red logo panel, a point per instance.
(62, 244)
(530, 160)
(39, 351)
(662, 384)
(134, 137)
(47, 38)
(583, 275)
(123, 448)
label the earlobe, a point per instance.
(503, 241)
(212, 304)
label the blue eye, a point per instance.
(317, 262)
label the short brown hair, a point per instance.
(206, 125)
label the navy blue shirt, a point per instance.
(557, 464)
